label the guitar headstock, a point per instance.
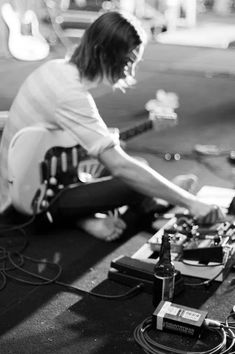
(162, 109)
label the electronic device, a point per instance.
(196, 242)
(197, 251)
(177, 318)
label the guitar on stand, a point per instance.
(25, 41)
(55, 13)
(69, 23)
(43, 161)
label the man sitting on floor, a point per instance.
(57, 94)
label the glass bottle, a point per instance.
(164, 273)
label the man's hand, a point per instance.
(207, 214)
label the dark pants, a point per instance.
(99, 196)
(84, 200)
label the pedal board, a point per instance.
(209, 254)
(193, 242)
(197, 251)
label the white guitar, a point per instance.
(28, 47)
(43, 161)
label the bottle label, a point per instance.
(191, 315)
(168, 285)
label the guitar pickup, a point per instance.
(44, 171)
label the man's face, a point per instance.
(128, 77)
(132, 60)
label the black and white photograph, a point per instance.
(117, 176)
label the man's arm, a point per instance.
(149, 182)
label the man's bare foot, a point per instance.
(104, 227)
(110, 227)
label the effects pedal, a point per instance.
(196, 242)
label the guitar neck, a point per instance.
(136, 130)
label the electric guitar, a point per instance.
(43, 161)
(30, 46)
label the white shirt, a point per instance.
(53, 94)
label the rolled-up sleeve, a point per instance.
(77, 113)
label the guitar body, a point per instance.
(41, 162)
(28, 47)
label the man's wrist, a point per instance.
(189, 201)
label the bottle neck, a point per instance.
(165, 251)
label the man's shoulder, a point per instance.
(52, 64)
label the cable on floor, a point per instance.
(15, 261)
(143, 337)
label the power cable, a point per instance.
(143, 335)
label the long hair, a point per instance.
(105, 45)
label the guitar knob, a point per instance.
(50, 193)
(53, 181)
(44, 204)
